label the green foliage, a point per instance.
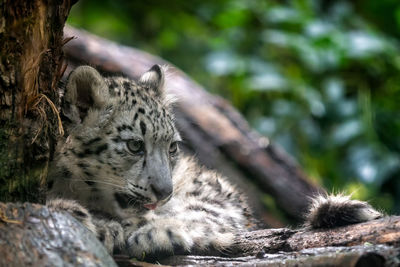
(319, 77)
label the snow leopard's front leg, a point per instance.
(109, 232)
(202, 217)
(161, 237)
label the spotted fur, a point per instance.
(121, 162)
(327, 211)
(120, 172)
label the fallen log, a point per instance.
(382, 231)
(217, 134)
(31, 234)
(356, 256)
(375, 242)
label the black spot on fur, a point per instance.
(79, 213)
(200, 208)
(122, 127)
(136, 239)
(149, 236)
(92, 141)
(122, 199)
(141, 110)
(196, 181)
(66, 173)
(143, 127)
(101, 236)
(127, 86)
(113, 84)
(141, 223)
(82, 165)
(100, 149)
(116, 139)
(87, 173)
(90, 183)
(79, 154)
(135, 117)
(195, 193)
(213, 201)
(170, 235)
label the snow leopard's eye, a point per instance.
(173, 148)
(136, 146)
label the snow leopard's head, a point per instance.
(122, 142)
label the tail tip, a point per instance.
(338, 210)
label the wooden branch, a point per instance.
(375, 241)
(213, 129)
(31, 235)
(382, 231)
(376, 256)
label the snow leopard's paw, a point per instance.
(158, 239)
(111, 234)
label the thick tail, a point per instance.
(328, 211)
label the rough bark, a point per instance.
(343, 246)
(373, 256)
(217, 134)
(382, 231)
(31, 235)
(31, 40)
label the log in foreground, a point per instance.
(382, 231)
(210, 125)
(32, 235)
(368, 255)
(376, 243)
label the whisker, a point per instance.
(99, 182)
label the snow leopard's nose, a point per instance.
(161, 190)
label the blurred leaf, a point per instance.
(321, 78)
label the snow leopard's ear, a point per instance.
(153, 80)
(85, 90)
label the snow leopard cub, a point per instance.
(120, 173)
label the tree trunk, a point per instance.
(31, 40)
(217, 134)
